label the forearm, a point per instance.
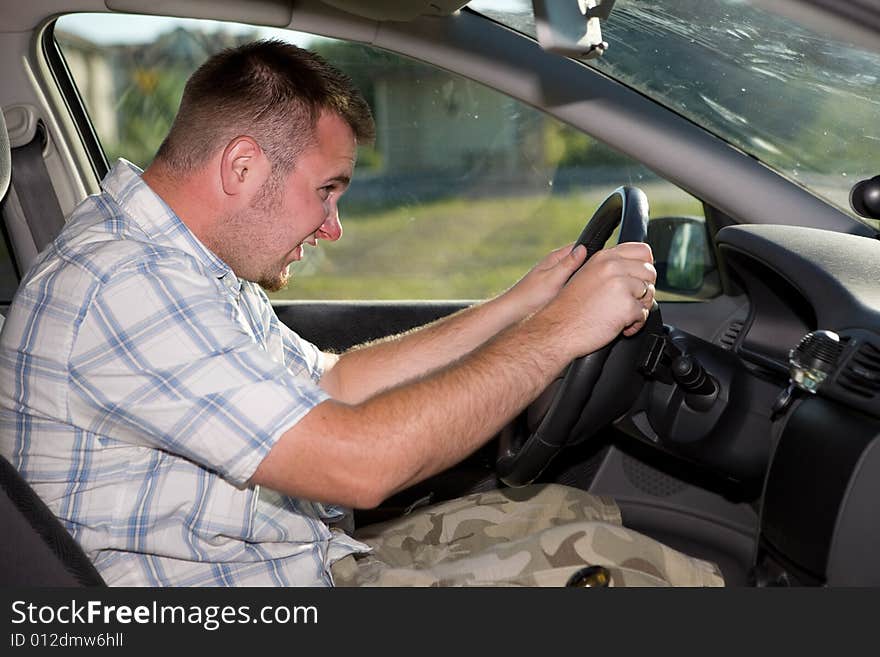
(371, 450)
(444, 417)
(368, 369)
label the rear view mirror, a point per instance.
(682, 255)
(572, 27)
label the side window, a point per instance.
(463, 191)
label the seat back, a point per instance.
(35, 548)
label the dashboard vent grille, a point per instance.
(862, 373)
(728, 338)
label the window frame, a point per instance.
(69, 92)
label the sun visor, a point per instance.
(274, 13)
(397, 10)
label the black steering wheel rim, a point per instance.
(521, 458)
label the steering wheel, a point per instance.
(595, 389)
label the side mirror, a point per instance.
(682, 255)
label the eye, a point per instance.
(335, 188)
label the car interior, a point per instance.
(742, 425)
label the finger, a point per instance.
(637, 250)
(638, 287)
(577, 255)
(561, 254)
(632, 329)
(562, 250)
(643, 271)
(637, 326)
(570, 264)
(555, 257)
(644, 298)
(647, 301)
(646, 290)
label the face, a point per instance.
(262, 241)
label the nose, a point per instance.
(331, 229)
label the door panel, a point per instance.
(339, 325)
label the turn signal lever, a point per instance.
(665, 362)
(689, 408)
(700, 388)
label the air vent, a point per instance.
(728, 338)
(862, 373)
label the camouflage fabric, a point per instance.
(532, 536)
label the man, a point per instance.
(186, 437)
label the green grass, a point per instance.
(453, 249)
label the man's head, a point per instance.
(262, 146)
(269, 90)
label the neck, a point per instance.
(188, 195)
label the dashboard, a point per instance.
(803, 279)
(797, 280)
(812, 464)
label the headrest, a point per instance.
(5, 158)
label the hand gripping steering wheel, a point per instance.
(595, 389)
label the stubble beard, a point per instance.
(275, 282)
(236, 250)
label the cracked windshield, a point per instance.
(463, 191)
(800, 102)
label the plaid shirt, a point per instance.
(141, 384)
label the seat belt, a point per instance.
(32, 185)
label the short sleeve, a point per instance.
(164, 357)
(302, 352)
(300, 355)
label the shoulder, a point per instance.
(73, 266)
(128, 273)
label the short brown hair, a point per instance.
(269, 90)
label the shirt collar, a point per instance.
(146, 209)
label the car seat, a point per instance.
(36, 549)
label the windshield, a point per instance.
(805, 105)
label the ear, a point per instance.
(243, 169)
